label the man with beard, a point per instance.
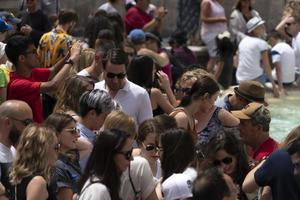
(55, 44)
(29, 81)
(15, 115)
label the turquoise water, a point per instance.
(285, 114)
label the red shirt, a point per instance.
(28, 90)
(264, 150)
(136, 18)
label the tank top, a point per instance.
(211, 129)
(21, 189)
(217, 10)
(191, 128)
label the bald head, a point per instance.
(16, 109)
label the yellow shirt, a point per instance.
(53, 46)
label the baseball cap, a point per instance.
(4, 26)
(9, 17)
(137, 36)
(253, 23)
(255, 111)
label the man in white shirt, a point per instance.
(253, 50)
(15, 115)
(134, 100)
(283, 58)
(289, 27)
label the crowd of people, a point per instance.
(115, 115)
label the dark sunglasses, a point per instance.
(72, 130)
(151, 147)
(226, 161)
(26, 122)
(113, 75)
(127, 154)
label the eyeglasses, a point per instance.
(226, 161)
(113, 75)
(151, 147)
(73, 131)
(25, 122)
(127, 154)
(57, 147)
(183, 90)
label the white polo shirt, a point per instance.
(249, 67)
(284, 54)
(133, 99)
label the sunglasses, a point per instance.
(127, 154)
(151, 147)
(113, 75)
(74, 130)
(226, 161)
(57, 147)
(25, 122)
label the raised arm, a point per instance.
(59, 77)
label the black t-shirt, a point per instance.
(39, 23)
(277, 172)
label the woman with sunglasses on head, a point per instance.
(110, 156)
(67, 168)
(227, 152)
(31, 170)
(176, 151)
(198, 104)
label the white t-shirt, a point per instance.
(142, 179)
(284, 54)
(83, 72)
(250, 49)
(109, 8)
(7, 154)
(133, 99)
(296, 47)
(179, 186)
(95, 191)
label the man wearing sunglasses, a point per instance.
(14, 117)
(254, 127)
(133, 99)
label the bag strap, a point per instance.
(136, 193)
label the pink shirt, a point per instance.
(217, 10)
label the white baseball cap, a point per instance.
(253, 23)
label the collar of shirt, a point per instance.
(86, 133)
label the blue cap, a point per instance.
(4, 26)
(137, 36)
(9, 17)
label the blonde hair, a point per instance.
(291, 137)
(32, 158)
(121, 121)
(194, 74)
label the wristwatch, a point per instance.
(70, 62)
